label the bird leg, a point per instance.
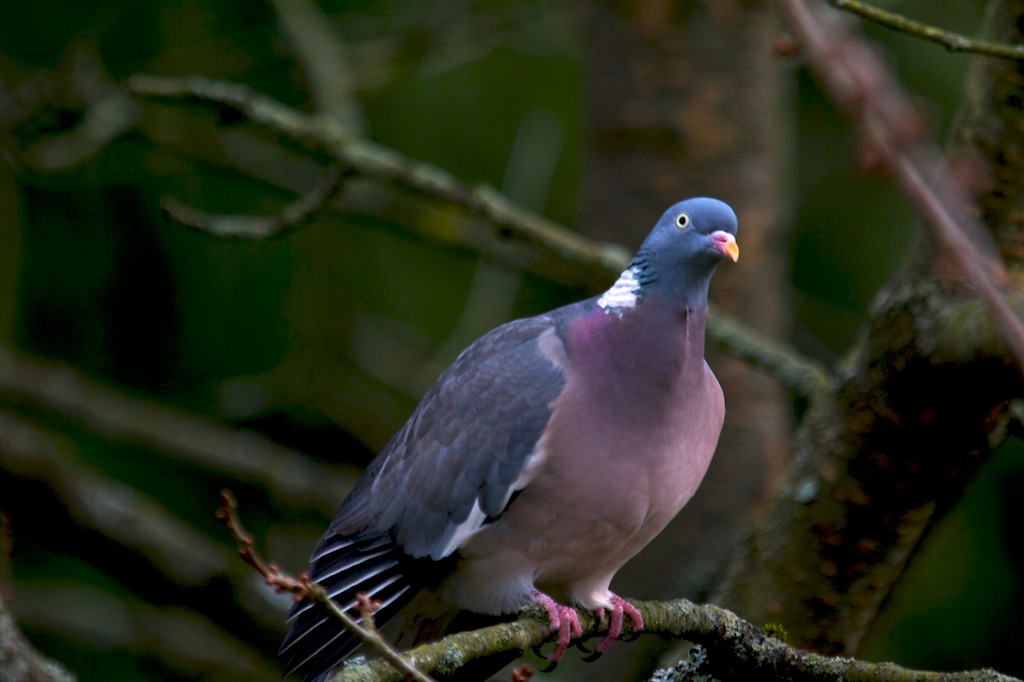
(564, 620)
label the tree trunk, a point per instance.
(685, 99)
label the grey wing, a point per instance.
(454, 466)
(457, 462)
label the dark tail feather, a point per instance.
(368, 563)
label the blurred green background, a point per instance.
(324, 338)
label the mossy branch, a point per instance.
(736, 649)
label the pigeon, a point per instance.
(550, 452)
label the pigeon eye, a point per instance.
(683, 221)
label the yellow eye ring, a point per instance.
(683, 221)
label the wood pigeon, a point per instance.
(547, 455)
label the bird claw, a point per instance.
(565, 621)
(550, 666)
(620, 608)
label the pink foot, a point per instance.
(563, 620)
(620, 607)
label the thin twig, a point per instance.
(305, 590)
(954, 42)
(256, 227)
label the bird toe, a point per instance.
(620, 609)
(564, 621)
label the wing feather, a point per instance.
(451, 469)
(474, 431)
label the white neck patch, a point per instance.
(623, 293)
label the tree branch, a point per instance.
(257, 227)
(242, 455)
(954, 42)
(736, 649)
(800, 374)
(594, 261)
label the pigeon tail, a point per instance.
(346, 567)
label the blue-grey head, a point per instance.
(679, 256)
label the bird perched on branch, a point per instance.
(547, 455)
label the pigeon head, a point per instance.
(678, 257)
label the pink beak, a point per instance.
(726, 243)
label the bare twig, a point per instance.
(256, 227)
(227, 513)
(954, 42)
(891, 127)
(304, 590)
(367, 607)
